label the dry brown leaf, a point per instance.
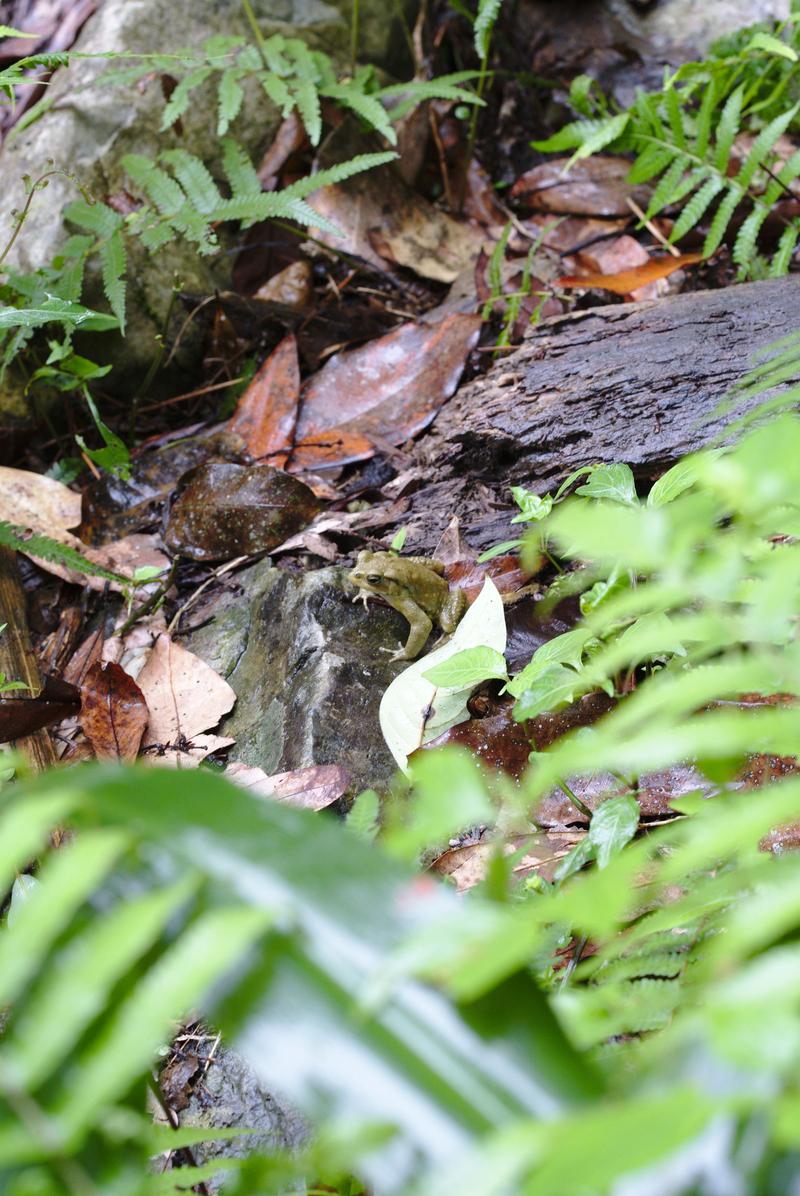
(312, 788)
(593, 186)
(291, 286)
(113, 712)
(266, 414)
(388, 391)
(628, 281)
(383, 220)
(43, 505)
(184, 695)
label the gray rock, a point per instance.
(229, 1096)
(89, 128)
(308, 668)
(670, 25)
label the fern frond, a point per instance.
(370, 109)
(654, 159)
(178, 102)
(786, 246)
(195, 179)
(407, 96)
(729, 123)
(163, 190)
(306, 99)
(277, 91)
(485, 21)
(762, 145)
(113, 261)
(229, 99)
(337, 173)
(697, 207)
(722, 218)
(48, 549)
(667, 185)
(239, 170)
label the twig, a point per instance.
(651, 228)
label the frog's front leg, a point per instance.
(452, 611)
(420, 627)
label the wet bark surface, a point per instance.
(639, 383)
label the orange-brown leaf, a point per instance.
(266, 415)
(113, 712)
(630, 280)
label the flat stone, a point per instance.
(309, 669)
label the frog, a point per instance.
(415, 586)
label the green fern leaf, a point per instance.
(178, 102)
(728, 127)
(163, 190)
(367, 107)
(697, 207)
(744, 247)
(156, 233)
(273, 205)
(278, 92)
(305, 63)
(445, 87)
(485, 20)
(610, 131)
(95, 217)
(113, 262)
(194, 178)
(230, 97)
(705, 116)
(653, 161)
(668, 185)
(722, 219)
(675, 116)
(572, 135)
(272, 52)
(54, 551)
(762, 146)
(337, 174)
(239, 170)
(306, 99)
(783, 255)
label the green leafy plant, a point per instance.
(687, 140)
(49, 549)
(295, 78)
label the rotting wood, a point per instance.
(17, 658)
(637, 382)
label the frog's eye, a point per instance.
(374, 579)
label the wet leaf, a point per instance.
(224, 511)
(467, 668)
(385, 392)
(630, 280)
(292, 286)
(614, 823)
(113, 712)
(266, 414)
(413, 711)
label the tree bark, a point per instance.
(639, 383)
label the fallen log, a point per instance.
(638, 382)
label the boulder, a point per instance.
(89, 126)
(309, 668)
